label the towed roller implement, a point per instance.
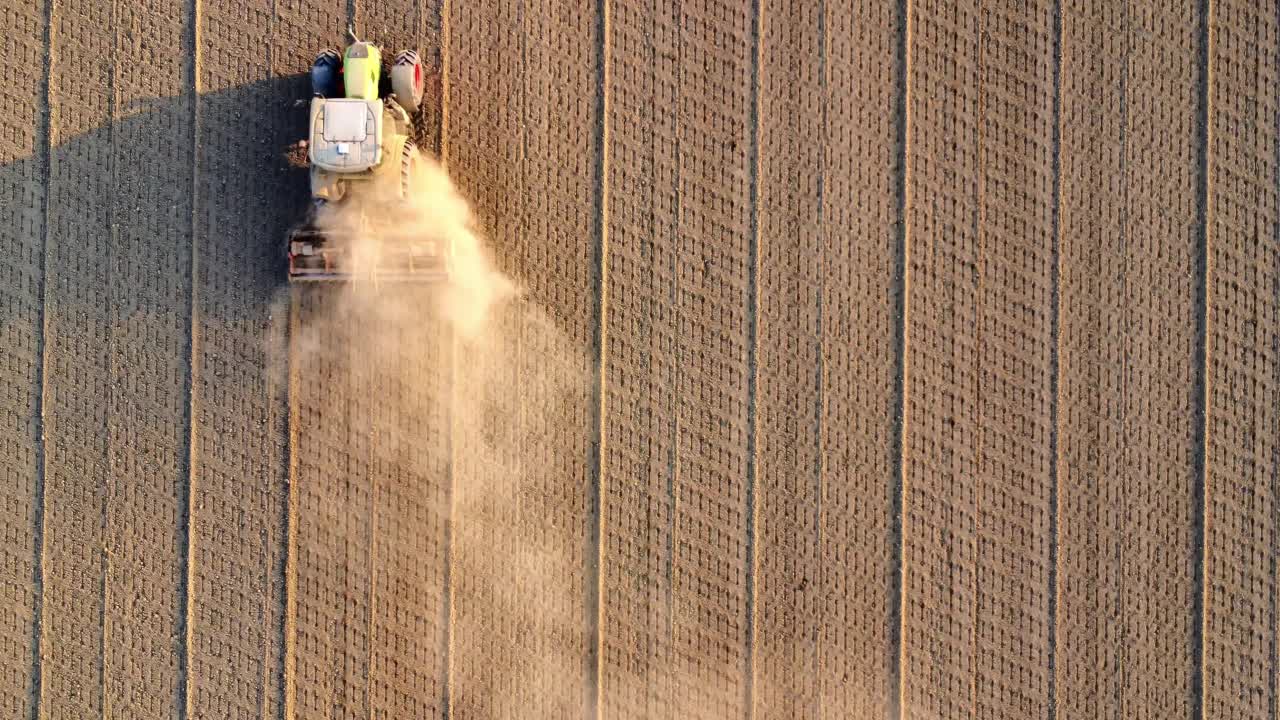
(326, 255)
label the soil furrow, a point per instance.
(1242, 373)
(1204, 186)
(1055, 364)
(191, 69)
(594, 580)
(896, 650)
(248, 82)
(1127, 346)
(77, 367)
(979, 401)
(25, 171)
(752, 540)
(286, 699)
(829, 277)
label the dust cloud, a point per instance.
(436, 213)
(511, 391)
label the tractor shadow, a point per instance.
(124, 220)
(172, 217)
(115, 223)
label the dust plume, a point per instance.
(434, 213)
(478, 362)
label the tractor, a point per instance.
(362, 161)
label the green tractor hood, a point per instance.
(361, 71)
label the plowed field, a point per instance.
(869, 359)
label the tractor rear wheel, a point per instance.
(408, 80)
(408, 167)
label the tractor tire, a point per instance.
(408, 164)
(326, 75)
(408, 81)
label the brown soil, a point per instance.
(866, 360)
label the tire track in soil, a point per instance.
(979, 402)
(1200, 403)
(24, 174)
(488, 650)
(676, 504)
(828, 285)
(77, 362)
(524, 408)
(596, 534)
(406, 368)
(897, 495)
(327, 668)
(1242, 445)
(118, 326)
(1130, 251)
(191, 69)
(248, 80)
(1055, 370)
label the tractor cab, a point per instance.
(346, 134)
(346, 124)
